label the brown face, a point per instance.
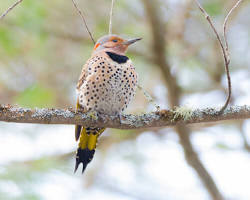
(114, 43)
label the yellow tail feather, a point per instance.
(86, 146)
(87, 142)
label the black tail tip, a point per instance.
(83, 156)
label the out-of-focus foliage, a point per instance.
(36, 96)
(214, 8)
(43, 46)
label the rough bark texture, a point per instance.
(148, 120)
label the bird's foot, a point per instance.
(119, 115)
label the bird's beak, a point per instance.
(129, 42)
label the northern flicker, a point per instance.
(107, 84)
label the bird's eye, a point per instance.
(115, 40)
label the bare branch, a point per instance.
(225, 54)
(227, 59)
(149, 120)
(174, 97)
(110, 17)
(225, 27)
(83, 19)
(214, 29)
(10, 8)
(148, 97)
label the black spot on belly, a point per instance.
(117, 58)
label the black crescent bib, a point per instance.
(117, 58)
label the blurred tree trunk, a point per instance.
(153, 11)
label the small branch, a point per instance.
(10, 8)
(148, 97)
(110, 17)
(83, 19)
(174, 98)
(148, 120)
(227, 56)
(225, 26)
(224, 51)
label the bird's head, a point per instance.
(114, 44)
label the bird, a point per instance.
(107, 84)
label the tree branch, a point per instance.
(84, 21)
(148, 120)
(110, 16)
(174, 98)
(10, 8)
(225, 49)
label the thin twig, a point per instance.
(214, 29)
(110, 17)
(84, 21)
(228, 55)
(148, 97)
(10, 8)
(225, 25)
(225, 50)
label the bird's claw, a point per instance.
(120, 118)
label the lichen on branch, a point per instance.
(162, 118)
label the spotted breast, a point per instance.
(109, 83)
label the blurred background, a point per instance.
(43, 46)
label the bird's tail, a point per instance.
(87, 144)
